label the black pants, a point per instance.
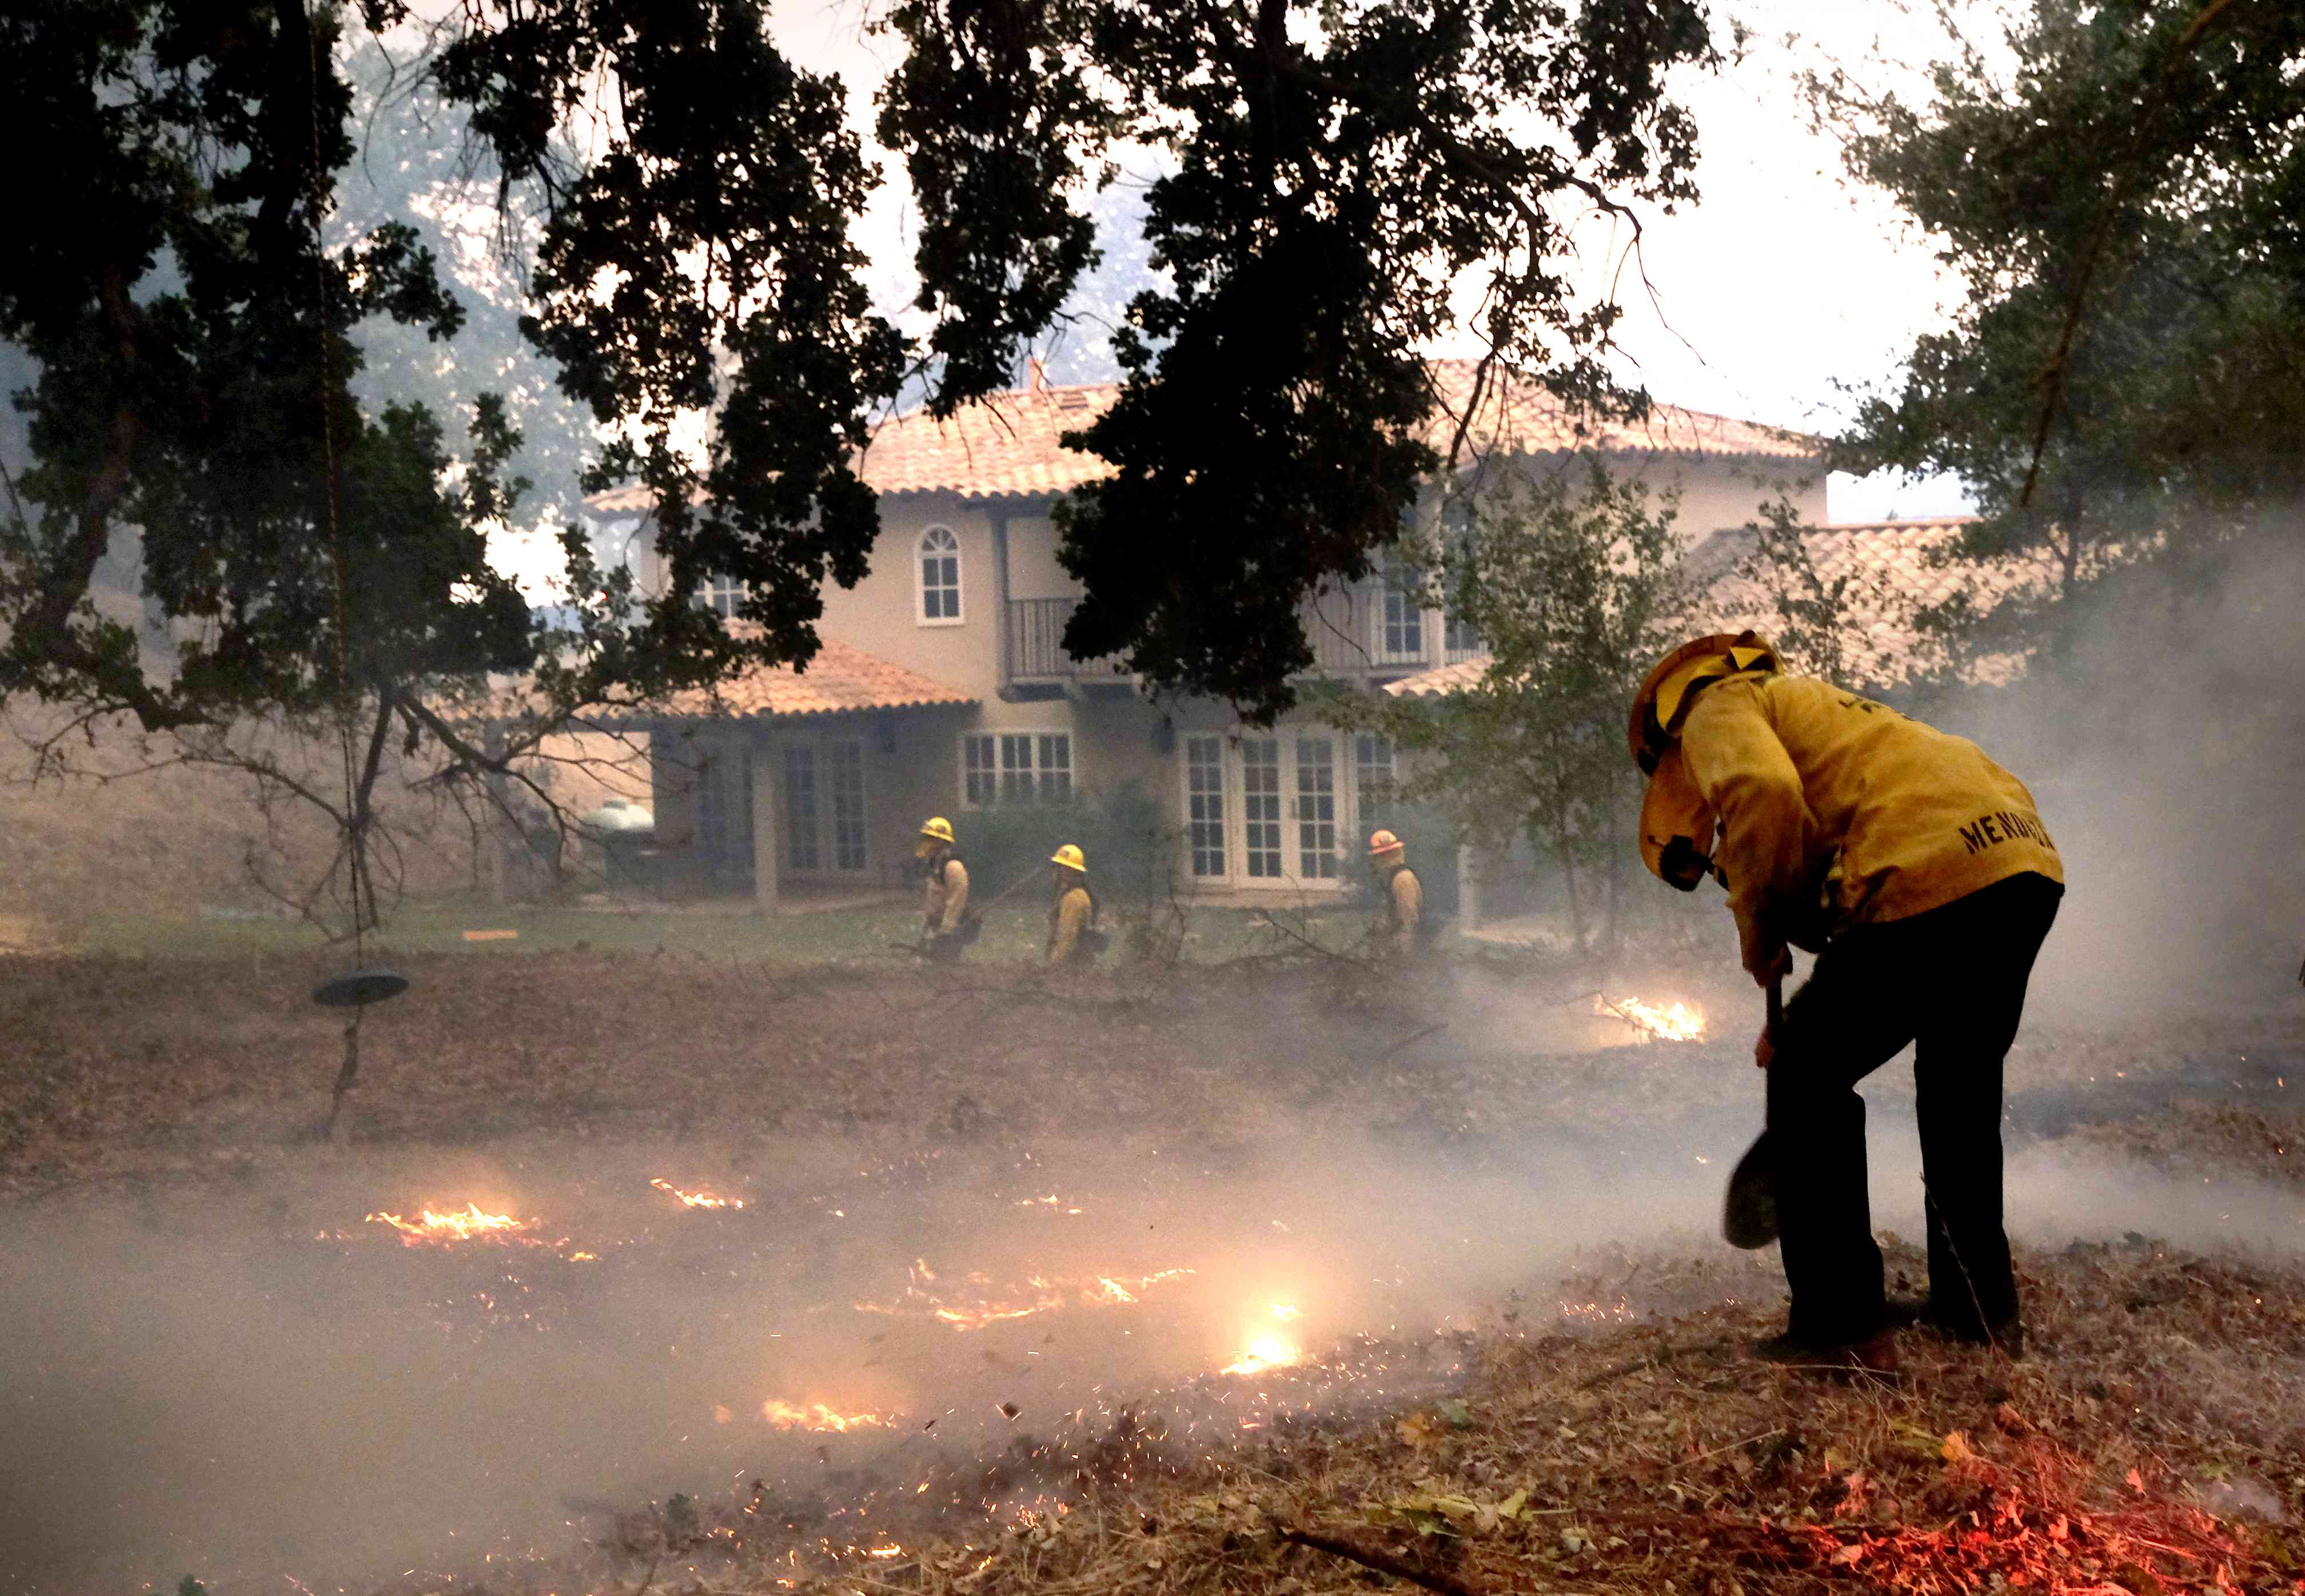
(1953, 981)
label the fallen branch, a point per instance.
(1383, 1562)
(1656, 1360)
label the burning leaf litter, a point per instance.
(1674, 1022)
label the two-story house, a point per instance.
(943, 687)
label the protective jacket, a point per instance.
(1072, 913)
(1812, 781)
(1404, 910)
(946, 895)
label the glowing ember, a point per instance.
(452, 1227)
(1676, 1024)
(696, 1198)
(815, 1416)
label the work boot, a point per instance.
(1873, 1357)
(2005, 1335)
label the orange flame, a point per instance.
(452, 1227)
(696, 1198)
(1093, 1291)
(1678, 1022)
(1268, 1349)
(815, 1416)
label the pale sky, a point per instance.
(1781, 283)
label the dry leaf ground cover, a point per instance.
(2154, 1441)
(1610, 1435)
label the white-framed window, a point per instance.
(1372, 775)
(1459, 640)
(802, 854)
(848, 805)
(721, 595)
(939, 564)
(1316, 808)
(824, 811)
(1278, 809)
(1204, 805)
(1260, 806)
(1402, 626)
(1015, 768)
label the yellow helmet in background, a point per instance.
(1658, 705)
(1071, 858)
(1382, 842)
(1678, 827)
(939, 828)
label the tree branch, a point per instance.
(1383, 1562)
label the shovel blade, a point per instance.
(1748, 1214)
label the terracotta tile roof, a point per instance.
(1442, 682)
(1886, 572)
(1006, 446)
(1517, 416)
(1001, 447)
(841, 678)
(1889, 571)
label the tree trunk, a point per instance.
(1569, 880)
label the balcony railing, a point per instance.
(1347, 630)
(1036, 645)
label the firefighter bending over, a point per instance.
(945, 893)
(1073, 935)
(1920, 873)
(1404, 895)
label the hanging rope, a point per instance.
(355, 809)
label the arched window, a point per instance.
(940, 578)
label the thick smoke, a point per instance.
(2164, 750)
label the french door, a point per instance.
(1266, 810)
(823, 819)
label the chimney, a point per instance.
(1039, 384)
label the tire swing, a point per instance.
(363, 983)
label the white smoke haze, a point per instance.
(2165, 759)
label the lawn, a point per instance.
(1014, 932)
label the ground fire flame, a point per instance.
(1678, 1022)
(1269, 1349)
(980, 1307)
(440, 1229)
(696, 1198)
(472, 1223)
(816, 1415)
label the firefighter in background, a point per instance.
(945, 893)
(1073, 936)
(1943, 884)
(1404, 895)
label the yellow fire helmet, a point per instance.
(1678, 827)
(939, 828)
(1382, 842)
(1071, 858)
(1657, 707)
